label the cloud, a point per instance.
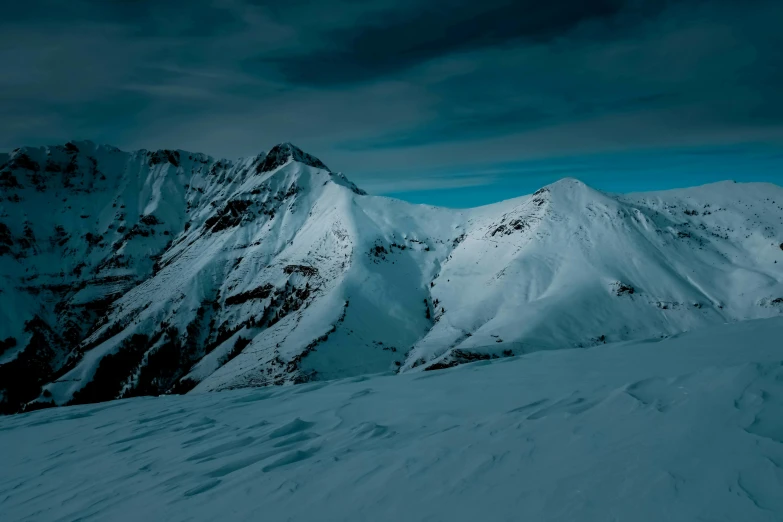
(394, 91)
(419, 183)
(718, 67)
(389, 37)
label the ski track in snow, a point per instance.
(682, 429)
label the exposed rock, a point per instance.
(280, 154)
(305, 270)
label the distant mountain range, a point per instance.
(152, 272)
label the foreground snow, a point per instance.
(687, 428)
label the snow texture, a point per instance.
(147, 273)
(682, 429)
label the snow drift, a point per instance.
(688, 428)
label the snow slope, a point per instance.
(167, 271)
(687, 428)
(571, 266)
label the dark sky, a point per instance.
(402, 95)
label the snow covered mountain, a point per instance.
(125, 274)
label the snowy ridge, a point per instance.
(168, 271)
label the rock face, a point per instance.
(143, 273)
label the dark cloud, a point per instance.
(141, 18)
(698, 65)
(385, 41)
(380, 85)
(487, 120)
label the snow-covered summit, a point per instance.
(165, 271)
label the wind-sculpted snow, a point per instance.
(169, 271)
(683, 429)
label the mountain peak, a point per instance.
(567, 184)
(572, 191)
(282, 153)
